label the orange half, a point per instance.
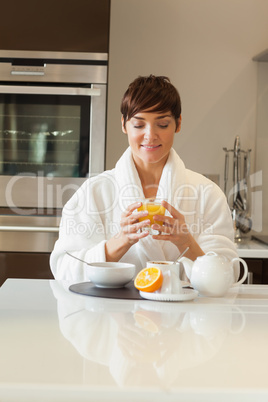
(149, 279)
(146, 322)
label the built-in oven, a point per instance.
(52, 137)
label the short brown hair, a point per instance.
(153, 92)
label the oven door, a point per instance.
(51, 139)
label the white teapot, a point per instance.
(211, 274)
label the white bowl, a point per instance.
(110, 274)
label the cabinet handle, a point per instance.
(35, 90)
(29, 229)
(17, 72)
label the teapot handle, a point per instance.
(243, 320)
(245, 270)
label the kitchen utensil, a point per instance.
(172, 287)
(246, 179)
(154, 207)
(240, 213)
(211, 274)
(108, 274)
(238, 201)
(180, 256)
(242, 218)
(243, 221)
(171, 277)
(226, 170)
(79, 259)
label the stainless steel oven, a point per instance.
(52, 137)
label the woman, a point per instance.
(101, 223)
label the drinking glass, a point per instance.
(154, 207)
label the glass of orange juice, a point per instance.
(154, 207)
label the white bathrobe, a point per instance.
(93, 214)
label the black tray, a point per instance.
(89, 289)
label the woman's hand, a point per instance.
(129, 234)
(175, 230)
(130, 225)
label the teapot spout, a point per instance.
(187, 265)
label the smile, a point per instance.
(151, 146)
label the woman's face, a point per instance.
(150, 136)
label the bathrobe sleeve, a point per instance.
(217, 233)
(83, 229)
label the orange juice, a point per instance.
(153, 208)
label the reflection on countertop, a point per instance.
(143, 342)
(66, 346)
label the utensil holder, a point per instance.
(238, 196)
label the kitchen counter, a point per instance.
(252, 249)
(67, 347)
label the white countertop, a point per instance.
(68, 347)
(252, 249)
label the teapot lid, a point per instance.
(209, 255)
(212, 253)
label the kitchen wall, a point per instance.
(206, 48)
(261, 182)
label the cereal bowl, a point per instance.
(110, 274)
